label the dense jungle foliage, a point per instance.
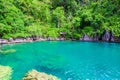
(47, 18)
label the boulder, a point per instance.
(86, 38)
(5, 73)
(35, 75)
(11, 40)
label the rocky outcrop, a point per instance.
(95, 37)
(85, 38)
(3, 41)
(20, 40)
(107, 36)
(35, 75)
(5, 73)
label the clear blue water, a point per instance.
(68, 60)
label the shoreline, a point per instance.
(23, 40)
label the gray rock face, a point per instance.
(86, 38)
(95, 37)
(111, 36)
(18, 40)
(106, 36)
(3, 41)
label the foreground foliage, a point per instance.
(47, 18)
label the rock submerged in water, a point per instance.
(5, 73)
(7, 51)
(35, 75)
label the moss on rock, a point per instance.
(35, 75)
(5, 73)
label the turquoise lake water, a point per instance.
(68, 60)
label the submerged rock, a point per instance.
(35, 75)
(7, 51)
(5, 73)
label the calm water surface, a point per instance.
(68, 60)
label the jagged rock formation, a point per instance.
(107, 36)
(5, 73)
(86, 38)
(35, 75)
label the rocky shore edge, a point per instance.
(21, 40)
(107, 36)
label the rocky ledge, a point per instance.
(107, 36)
(5, 73)
(20, 40)
(35, 75)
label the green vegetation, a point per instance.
(47, 18)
